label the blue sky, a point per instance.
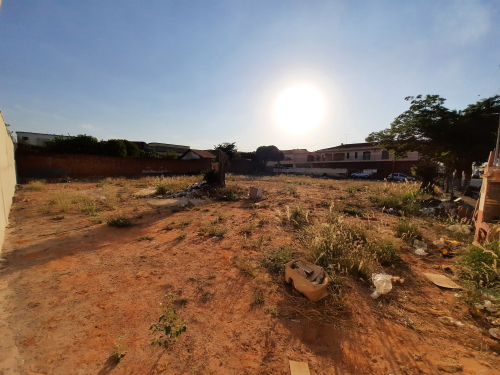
(199, 73)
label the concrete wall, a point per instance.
(338, 172)
(7, 177)
(85, 166)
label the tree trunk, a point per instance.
(449, 180)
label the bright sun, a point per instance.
(299, 109)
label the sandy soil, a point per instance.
(69, 287)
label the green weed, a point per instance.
(168, 327)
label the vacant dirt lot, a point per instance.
(70, 283)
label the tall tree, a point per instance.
(454, 138)
(269, 153)
(229, 149)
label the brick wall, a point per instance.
(84, 166)
(384, 168)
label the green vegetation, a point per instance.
(481, 265)
(407, 230)
(276, 259)
(119, 352)
(37, 185)
(296, 218)
(387, 253)
(182, 235)
(169, 326)
(144, 238)
(258, 297)
(352, 211)
(119, 222)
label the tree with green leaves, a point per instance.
(229, 149)
(454, 138)
(269, 153)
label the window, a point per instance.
(356, 155)
(366, 155)
(347, 157)
(385, 154)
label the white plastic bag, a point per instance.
(439, 243)
(459, 228)
(420, 246)
(383, 284)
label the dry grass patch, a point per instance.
(37, 185)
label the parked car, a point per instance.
(400, 177)
(476, 175)
(360, 175)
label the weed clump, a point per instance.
(35, 185)
(168, 327)
(118, 353)
(352, 211)
(407, 230)
(386, 253)
(213, 230)
(276, 259)
(297, 218)
(258, 297)
(144, 238)
(119, 222)
(481, 265)
(342, 246)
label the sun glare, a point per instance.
(299, 109)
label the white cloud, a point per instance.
(88, 127)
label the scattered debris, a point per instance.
(383, 284)
(487, 305)
(307, 278)
(391, 211)
(495, 332)
(442, 281)
(449, 321)
(420, 247)
(428, 211)
(299, 368)
(255, 192)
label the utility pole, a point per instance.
(346, 138)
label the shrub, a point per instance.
(352, 211)
(118, 353)
(144, 238)
(168, 327)
(161, 188)
(35, 185)
(480, 265)
(386, 253)
(119, 222)
(258, 297)
(210, 176)
(113, 147)
(181, 236)
(276, 259)
(407, 230)
(340, 245)
(297, 218)
(247, 228)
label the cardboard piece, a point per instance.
(307, 278)
(256, 192)
(442, 281)
(299, 368)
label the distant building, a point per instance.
(197, 154)
(36, 139)
(346, 159)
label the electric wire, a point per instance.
(489, 82)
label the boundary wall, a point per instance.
(7, 177)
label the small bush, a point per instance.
(144, 238)
(118, 353)
(352, 189)
(247, 229)
(276, 259)
(481, 265)
(58, 217)
(161, 188)
(169, 226)
(168, 327)
(35, 185)
(407, 230)
(258, 297)
(386, 253)
(245, 264)
(297, 218)
(181, 236)
(352, 211)
(119, 222)
(182, 301)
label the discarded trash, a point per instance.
(487, 305)
(421, 247)
(383, 284)
(495, 332)
(448, 254)
(102, 199)
(459, 228)
(391, 211)
(439, 243)
(449, 321)
(299, 368)
(307, 278)
(442, 281)
(256, 192)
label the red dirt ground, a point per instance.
(65, 296)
